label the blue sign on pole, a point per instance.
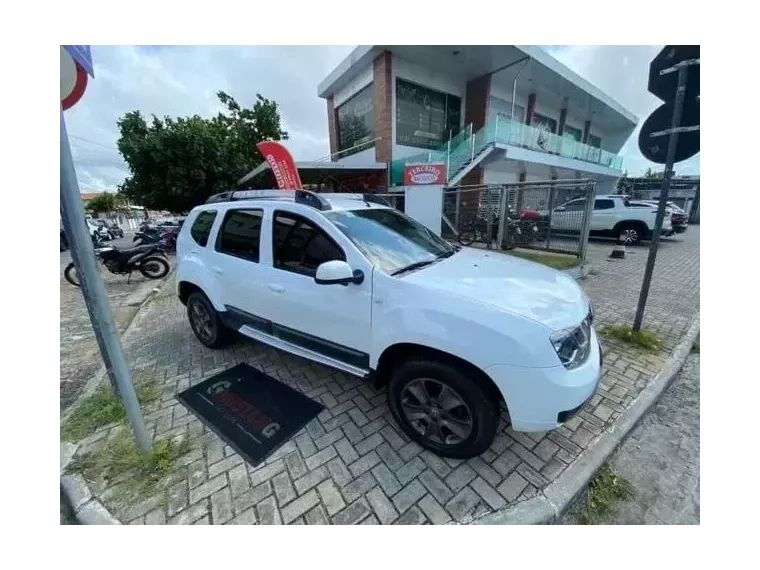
(82, 55)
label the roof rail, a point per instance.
(300, 197)
(371, 198)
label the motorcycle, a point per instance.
(147, 259)
(166, 241)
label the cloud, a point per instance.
(622, 73)
(183, 80)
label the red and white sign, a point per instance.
(73, 80)
(282, 164)
(424, 174)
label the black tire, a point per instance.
(477, 412)
(211, 332)
(70, 273)
(630, 233)
(154, 261)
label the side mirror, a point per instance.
(337, 273)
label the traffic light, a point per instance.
(655, 132)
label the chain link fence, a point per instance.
(553, 215)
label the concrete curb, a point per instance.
(86, 509)
(556, 498)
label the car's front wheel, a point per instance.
(206, 323)
(443, 409)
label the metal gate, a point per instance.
(560, 210)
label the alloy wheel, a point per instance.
(629, 236)
(200, 320)
(436, 411)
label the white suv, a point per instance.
(613, 215)
(349, 282)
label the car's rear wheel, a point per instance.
(205, 322)
(442, 409)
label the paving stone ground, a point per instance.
(352, 464)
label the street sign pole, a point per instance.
(683, 70)
(94, 292)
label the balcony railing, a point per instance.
(506, 131)
(500, 130)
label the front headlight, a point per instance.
(573, 345)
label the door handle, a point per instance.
(276, 288)
(217, 270)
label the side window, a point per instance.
(300, 246)
(202, 227)
(240, 234)
(604, 204)
(575, 205)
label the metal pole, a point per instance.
(448, 159)
(94, 292)
(514, 90)
(586, 227)
(672, 143)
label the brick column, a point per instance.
(586, 131)
(332, 127)
(477, 98)
(531, 108)
(383, 100)
(562, 119)
(476, 102)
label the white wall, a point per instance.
(432, 80)
(366, 156)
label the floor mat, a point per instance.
(251, 411)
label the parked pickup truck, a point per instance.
(613, 216)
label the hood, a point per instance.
(509, 283)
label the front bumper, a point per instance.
(541, 399)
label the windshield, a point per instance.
(390, 240)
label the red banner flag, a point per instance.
(282, 165)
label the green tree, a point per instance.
(177, 163)
(106, 202)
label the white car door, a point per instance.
(235, 265)
(332, 320)
(569, 216)
(603, 217)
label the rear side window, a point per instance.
(300, 246)
(575, 205)
(604, 204)
(240, 234)
(202, 227)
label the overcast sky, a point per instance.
(183, 80)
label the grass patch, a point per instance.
(147, 474)
(604, 494)
(555, 260)
(103, 407)
(643, 339)
(695, 346)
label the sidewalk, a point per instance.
(351, 464)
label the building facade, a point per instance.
(493, 114)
